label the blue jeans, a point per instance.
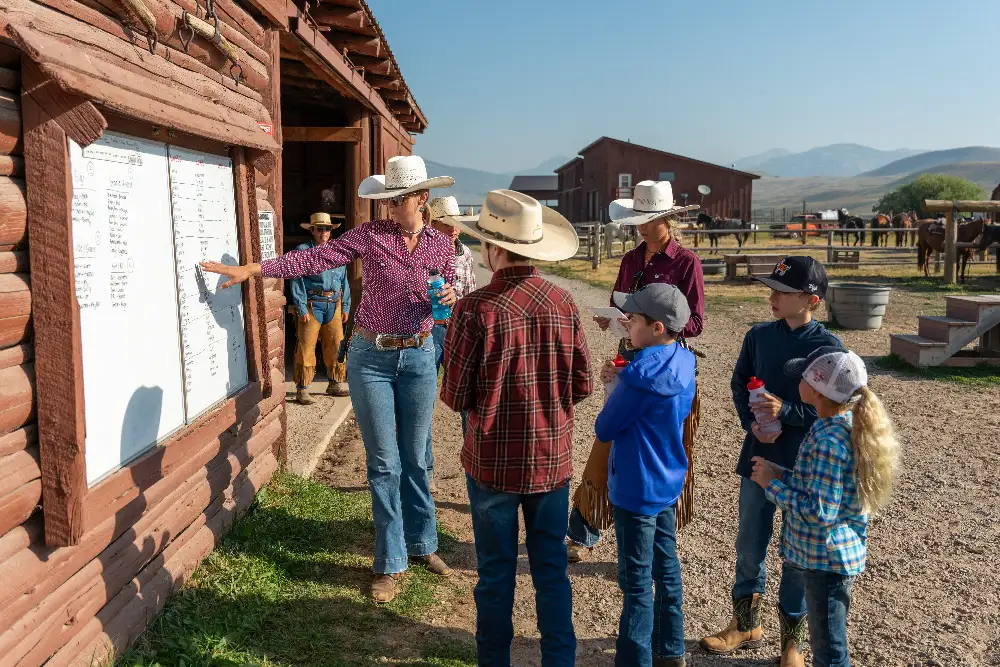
(828, 598)
(651, 624)
(393, 394)
(438, 333)
(752, 539)
(494, 524)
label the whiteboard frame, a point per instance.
(122, 493)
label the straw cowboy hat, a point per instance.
(446, 209)
(322, 220)
(651, 200)
(518, 223)
(403, 174)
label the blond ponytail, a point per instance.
(876, 450)
(674, 230)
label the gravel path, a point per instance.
(931, 594)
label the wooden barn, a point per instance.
(544, 188)
(141, 407)
(608, 169)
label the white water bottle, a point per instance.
(757, 391)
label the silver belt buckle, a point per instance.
(378, 343)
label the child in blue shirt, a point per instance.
(644, 419)
(843, 472)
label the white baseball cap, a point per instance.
(832, 371)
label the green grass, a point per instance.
(980, 377)
(289, 586)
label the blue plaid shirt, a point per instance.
(825, 527)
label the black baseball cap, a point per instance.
(797, 273)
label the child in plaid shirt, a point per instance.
(844, 471)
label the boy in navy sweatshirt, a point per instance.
(644, 418)
(797, 285)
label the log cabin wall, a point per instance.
(144, 529)
(136, 535)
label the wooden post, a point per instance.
(805, 229)
(56, 314)
(829, 247)
(359, 211)
(950, 238)
(595, 245)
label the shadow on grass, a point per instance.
(288, 586)
(981, 376)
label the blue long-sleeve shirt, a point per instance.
(644, 419)
(331, 280)
(766, 349)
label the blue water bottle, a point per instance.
(434, 283)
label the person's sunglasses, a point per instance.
(398, 199)
(637, 281)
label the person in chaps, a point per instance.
(322, 306)
(776, 424)
(516, 360)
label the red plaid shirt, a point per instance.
(516, 359)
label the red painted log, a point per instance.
(20, 538)
(11, 165)
(13, 207)
(13, 261)
(10, 123)
(17, 393)
(18, 440)
(16, 507)
(18, 469)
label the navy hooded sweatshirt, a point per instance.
(644, 419)
(766, 349)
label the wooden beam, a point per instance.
(274, 10)
(359, 211)
(964, 206)
(349, 19)
(381, 66)
(248, 235)
(396, 96)
(363, 44)
(350, 135)
(382, 82)
(58, 350)
(950, 238)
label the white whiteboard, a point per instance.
(161, 344)
(127, 292)
(212, 332)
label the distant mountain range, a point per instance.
(833, 160)
(934, 159)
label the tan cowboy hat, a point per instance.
(652, 200)
(446, 210)
(403, 174)
(322, 220)
(518, 223)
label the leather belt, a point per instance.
(386, 342)
(441, 323)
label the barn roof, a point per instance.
(594, 144)
(536, 183)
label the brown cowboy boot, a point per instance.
(302, 397)
(337, 389)
(793, 638)
(743, 631)
(577, 553)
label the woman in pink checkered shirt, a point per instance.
(391, 368)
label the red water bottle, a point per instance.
(609, 387)
(757, 391)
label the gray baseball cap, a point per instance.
(660, 301)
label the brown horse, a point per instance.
(880, 221)
(904, 221)
(928, 242)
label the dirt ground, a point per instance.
(931, 593)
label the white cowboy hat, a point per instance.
(403, 174)
(446, 209)
(651, 200)
(518, 223)
(322, 219)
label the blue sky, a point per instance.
(507, 84)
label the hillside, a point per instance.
(933, 159)
(836, 160)
(753, 162)
(857, 194)
(471, 185)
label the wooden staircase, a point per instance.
(942, 341)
